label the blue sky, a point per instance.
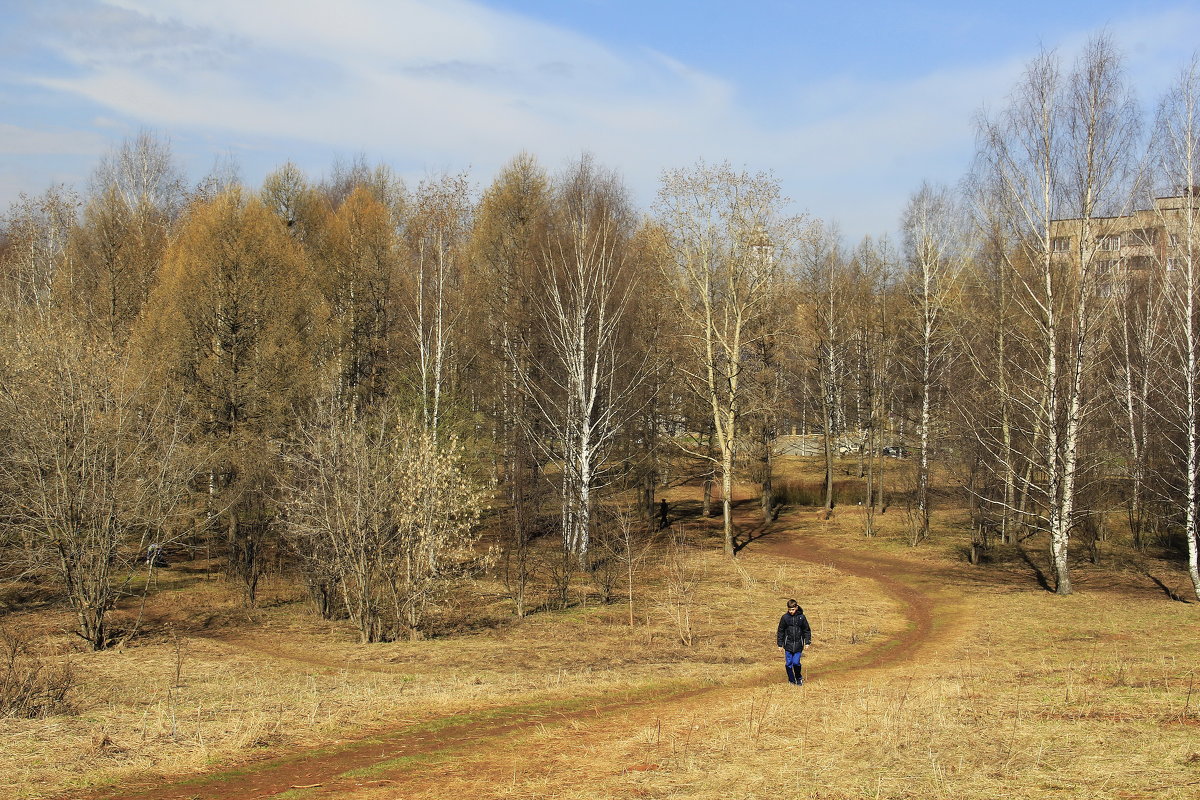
(852, 106)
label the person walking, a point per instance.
(793, 637)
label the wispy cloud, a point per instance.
(20, 141)
(438, 79)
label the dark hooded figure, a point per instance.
(793, 637)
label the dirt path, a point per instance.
(385, 760)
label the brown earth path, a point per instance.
(400, 758)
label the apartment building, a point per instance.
(1145, 239)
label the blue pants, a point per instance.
(791, 662)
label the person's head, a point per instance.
(793, 607)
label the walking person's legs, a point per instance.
(791, 663)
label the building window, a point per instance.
(1060, 244)
(1174, 240)
(1109, 243)
(1144, 236)
(1105, 266)
(1173, 264)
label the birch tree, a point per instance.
(38, 231)
(143, 172)
(436, 231)
(1058, 152)
(935, 247)
(875, 264)
(728, 241)
(302, 208)
(1178, 155)
(826, 286)
(1138, 339)
(590, 375)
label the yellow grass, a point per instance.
(278, 679)
(1043, 696)
(1017, 693)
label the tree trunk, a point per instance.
(727, 497)
(828, 460)
(767, 495)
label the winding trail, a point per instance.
(386, 759)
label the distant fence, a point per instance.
(813, 444)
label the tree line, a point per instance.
(360, 375)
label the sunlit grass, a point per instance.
(1017, 693)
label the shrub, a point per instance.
(812, 492)
(29, 688)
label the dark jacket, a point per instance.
(794, 632)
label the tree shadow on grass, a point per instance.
(711, 525)
(1171, 593)
(1041, 576)
(686, 509)
(761, 529)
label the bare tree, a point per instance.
(826, 284)
(874, 264)
(389, 506)
(935, 245)
(302, 208)
(96, 467)
(1138, 338)
(1021, 154)
(224, 174)
(985, 324)
(626, 544)
(1060, 152)
(38, 231)
(1178, 154)
(590, 374)
(436, 229)
(143, 173)
(380, 180)
(728, 241)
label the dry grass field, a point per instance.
(1025, 695)
(928, 678)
